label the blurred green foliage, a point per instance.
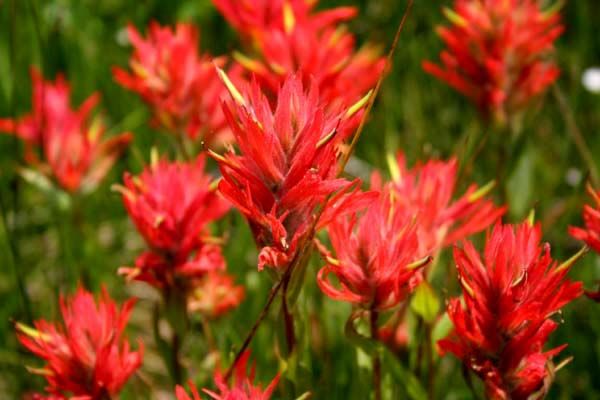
(415, 113)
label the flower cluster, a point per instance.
(180, 85)
(291, 38)
(87, 356)
(375, 258)
(171, 205)
(288, 164)
(509, 297)
(73, 152)
(242, 388)
(497, 53)
(427, 191)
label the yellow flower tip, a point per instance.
(95, 130)
(39, 371)
(333, 261)
(219, 241)
(216, 156)
(247, 62)
(393, 167)
(531, 217)
(289, 19)
(154, 157)
(569, 263)
(139, 69)
(562, 364)
(214, 185)
(278, 69)
(31, 332)
(359, 104)
(483, 191)
(419, 263)
(327, 138)
(453, 17)
(466, 287)
(233, 91)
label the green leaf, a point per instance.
(520, 183)
(425, 302)
(411, 383)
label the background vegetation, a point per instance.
(39, 236)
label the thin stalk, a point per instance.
(175, 361)
(374, 316)
(573, 130)
(373, 96)
(288, 318)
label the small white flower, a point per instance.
(591, 79)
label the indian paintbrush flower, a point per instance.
(498, 53)
(290, 38)
(171, 205)
(376, 255)
(179, 84)
(88, 355)
(242, 388)
(70, 141)
(287, 167)
(427, 190)
(502, 324)
(591, 233)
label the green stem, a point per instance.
(576, 135)
(374, 316)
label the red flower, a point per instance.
(71, 145)
(215, 294)
(591, 218)
(427, 191)
(376, 256)
(87, 356)
(241, 389)
(291, 39)
(509, 297)
(180, 86)
(497, 53)
(171, 205)
(288, 164)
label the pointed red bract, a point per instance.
(287, 167)
(87, 356)
(242, 387)
(374, 252)
(171, 205)
(71, 146)
(497, 53)
(291, 38)
(509, 298)
(591, 219)
(427, 190)
(180, 85)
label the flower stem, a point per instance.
(374, 316)
(288, 318)
(175, 361)
(576, 135)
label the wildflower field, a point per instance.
(299, 199)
